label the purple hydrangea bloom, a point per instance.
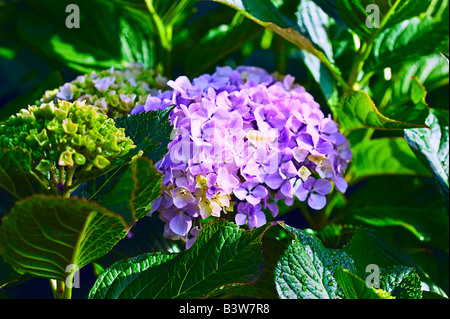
(244, 140)
(315, 191)
(252, 214)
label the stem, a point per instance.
(365, 50)
(61, 174)
(53, 175)
(61, 291)
(164, 34)
(159, 25)
(68, 181)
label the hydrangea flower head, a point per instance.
(245, 140)
(63, 137)
(113, 92)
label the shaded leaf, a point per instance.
(387, 202)
(385, 156)
(43, 235)
(17, 176)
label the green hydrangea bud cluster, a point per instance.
(113, 92)
(64, 136)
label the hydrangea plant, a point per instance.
(113, 92)
(244, 141)
(263, 191)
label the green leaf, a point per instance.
(317, 24)
(7, 274)
(306, 269)
(359, 111)
(432, 71)
(43, 235)
(408, 41)
(401, 282)
(17, 176)
(432, 145)
(366, 18)
(274, 242)
(133, 193)
(111, 33)
(147, 235)
(150, 131)
(410, 108)
(353, 286)
(366, 248)
(390, 201)
(384, 156)
(224, 256)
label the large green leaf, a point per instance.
(359, 15)
(408, 41)
(315, 23)
(358, 110)
(147, 235)
(432, 71)
(44, 235)
(433, 146)
(391, 201)
(224, 256)
(133, 193)
(411, 107)
(306, 269)
(385, 156)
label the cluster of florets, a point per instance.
(63, 136)
(244, 141)
(113, 92)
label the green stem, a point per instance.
(366, 49)
(61, 174)
(61, 291)
(164, 34)
(159, 25)
(69, 180)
